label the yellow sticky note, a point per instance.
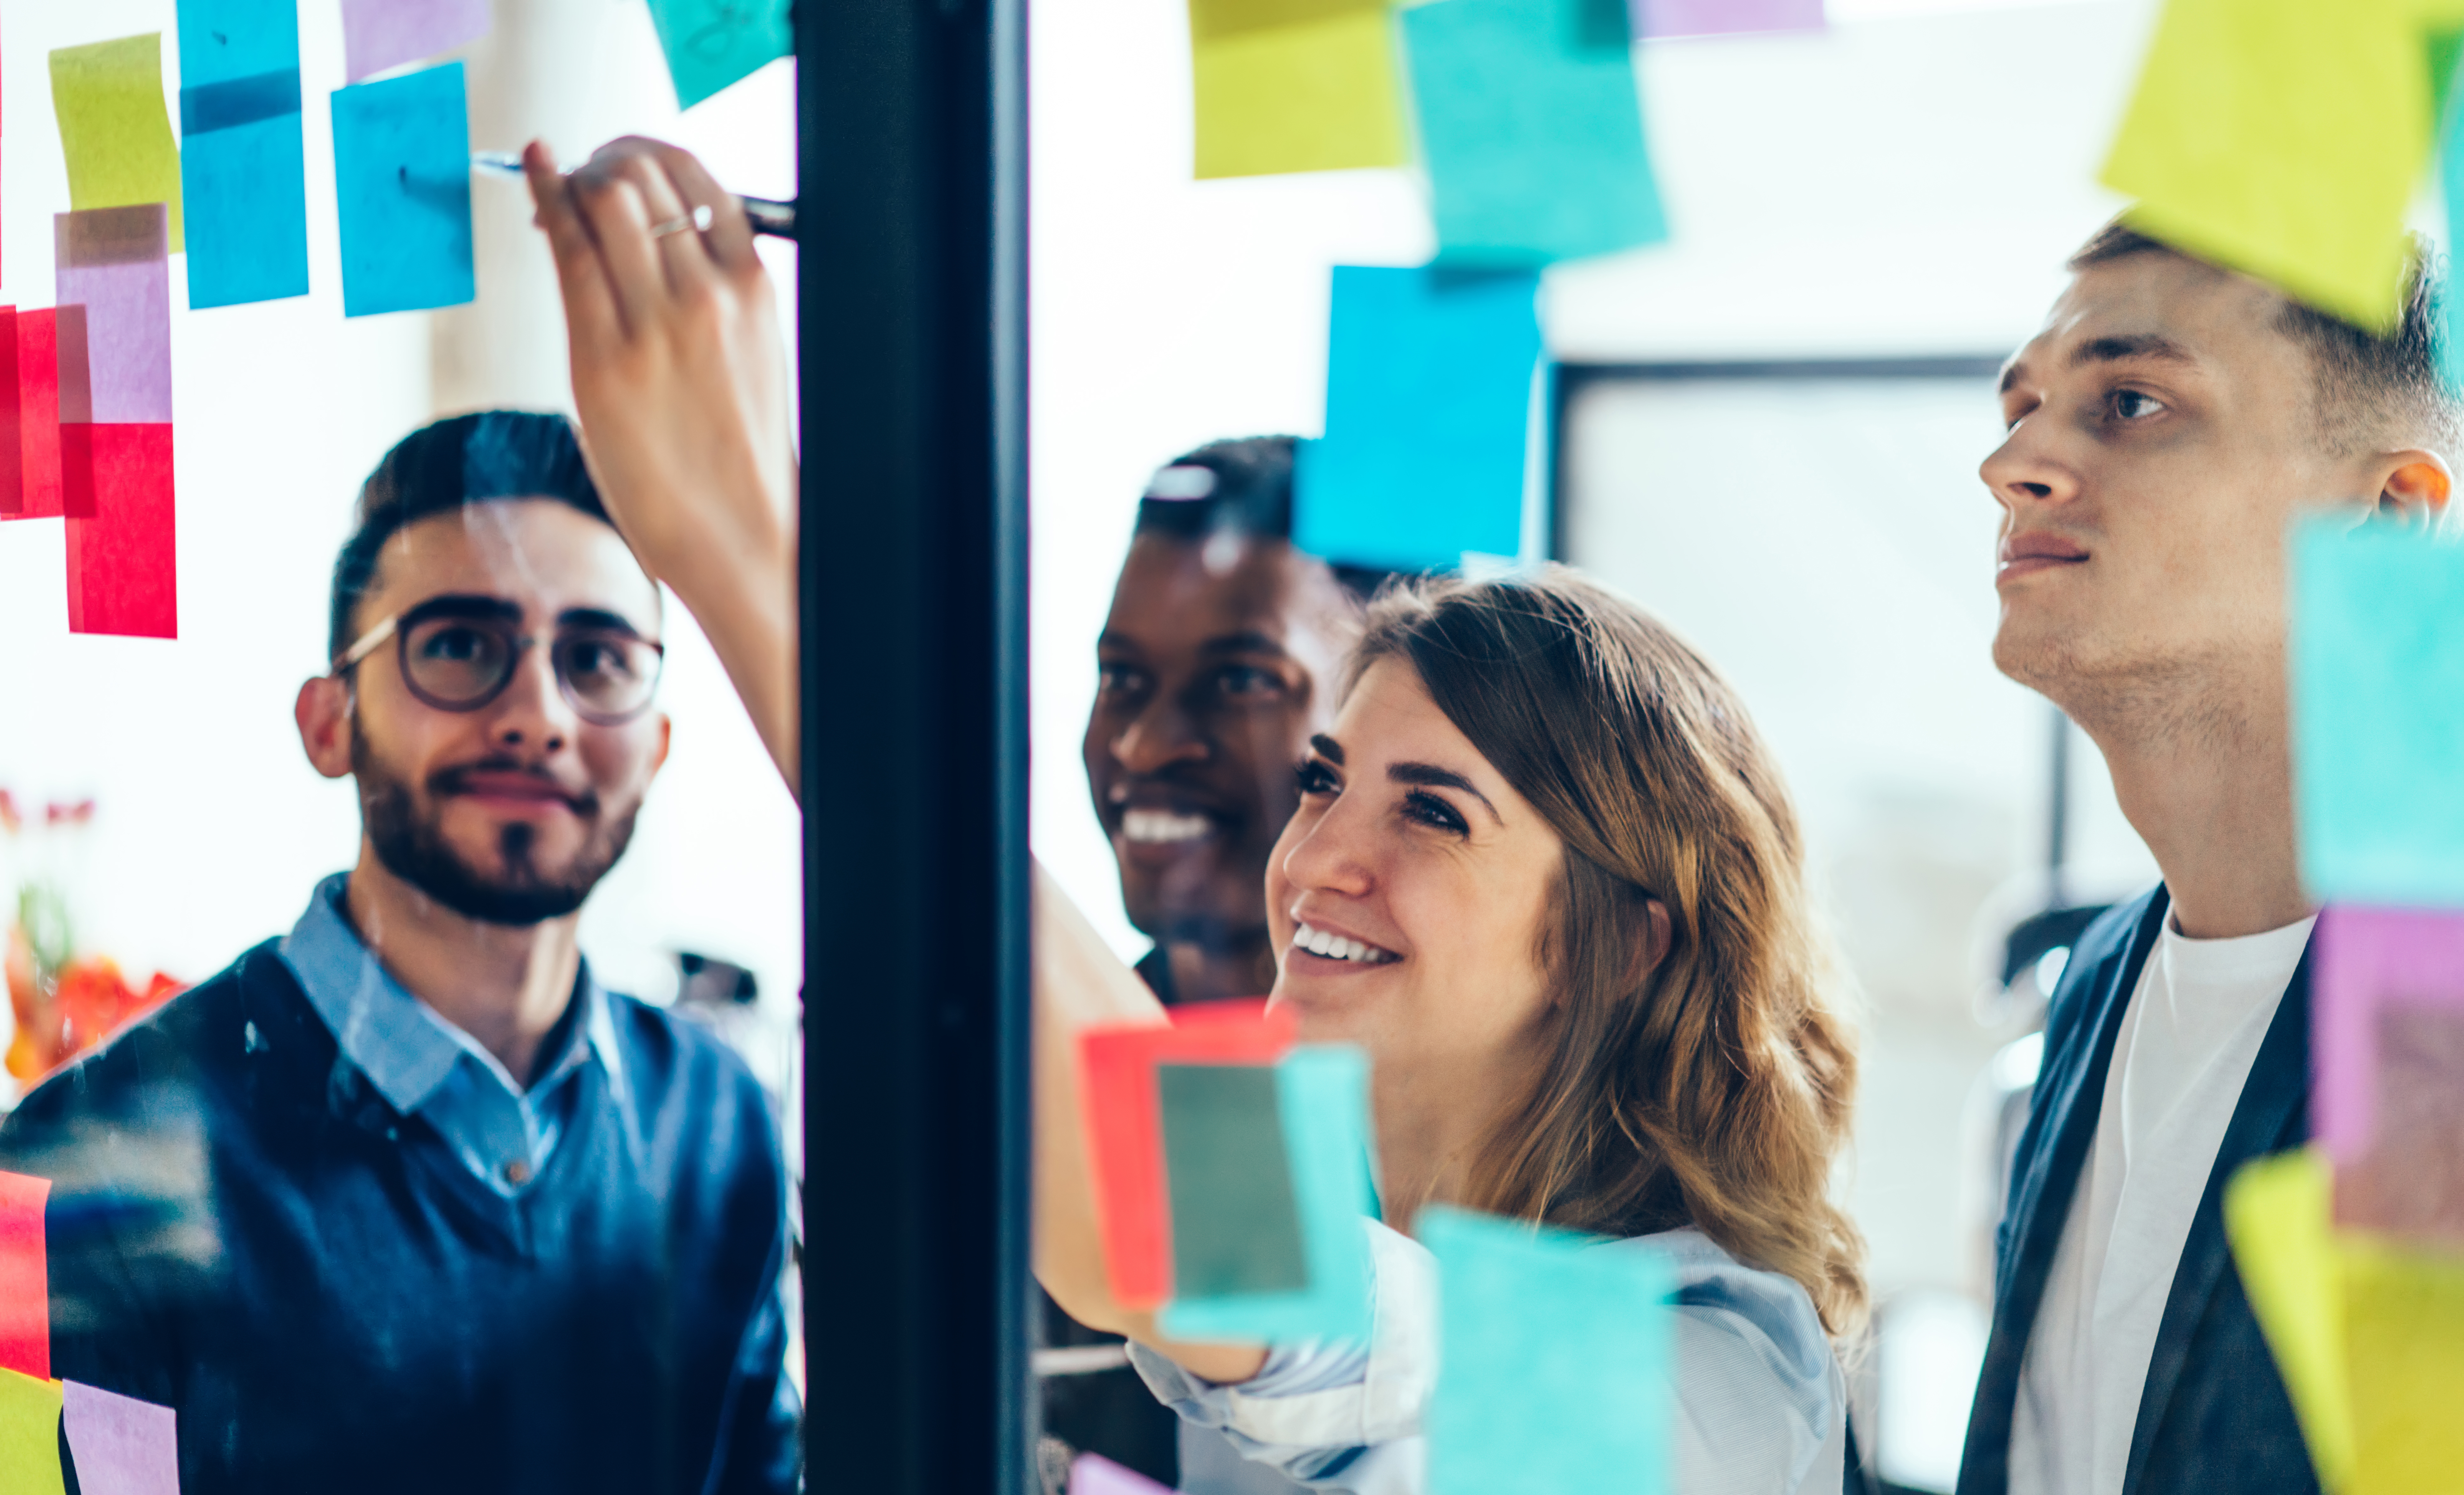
(2276, 1217)
(30, 1435)
(1294, 86)
(2404, 1312)
(2284, 139)
(113, 129)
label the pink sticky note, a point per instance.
(25, 1278)
(121, 1445)
(2387, 1056)
(38, 414)
(121, 562)
(13, 424)
(1718, 17)
(1093, 1474)
(378, 34)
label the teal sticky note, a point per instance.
(1236, 1227)
(1429, 409)
(711, 43)
(2377, 674)
(1322, 1101)
(1554, 1360)
(2446, 56)
(1533, 140)
(242, 170)
(402, 181)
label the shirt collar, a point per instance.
(405, 1048)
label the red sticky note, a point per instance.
(12, 461)
(25, 1280)
(122, 576)
(38, 414)
(1123, 1113)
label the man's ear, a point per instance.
(2414, 490)
(323, 711)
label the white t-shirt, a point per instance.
(2187, 1043)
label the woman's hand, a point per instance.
(680, 377)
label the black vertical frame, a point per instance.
(912, 309)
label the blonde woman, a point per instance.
(1544, 873)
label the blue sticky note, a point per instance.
(2446, 57)
(1554, 1362)
(402, 183)
(1322, 1092)
(1533, 140)
(242, 171)
(1428, 414)
(711, 43)
(2377, 667)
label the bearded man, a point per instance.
(405, 1201)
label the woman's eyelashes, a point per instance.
(1315, 776)
(1428, 809)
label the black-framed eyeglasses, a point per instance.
(458, 653)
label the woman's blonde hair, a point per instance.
(1714, 1090)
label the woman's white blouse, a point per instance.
(1761, 1408)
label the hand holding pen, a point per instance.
(766, 215)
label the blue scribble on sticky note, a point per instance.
(1322, 1093)
(242, 171)
(1554, 1359)
(1533, 139)
(711, 43)
(1429, 409)
(402, 181)
(2377, 664)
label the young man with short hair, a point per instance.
(2164, 427)
(405, 1201)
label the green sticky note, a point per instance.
(1235, 1224)
(711, 43)
(2284, 139)
(1321, 1100)
(114, 130)
(29, 1435)
(2277, 1220)
(1293, 85)
(1533, 140)
(1554, 1370)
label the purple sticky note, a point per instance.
(1095, 1475)
(2365, 962)
(121, 1445)
(378, 34)
(1718, 17)
(111, 261)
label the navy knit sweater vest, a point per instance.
(242, 1229)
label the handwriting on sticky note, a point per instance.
(1293, 85)
(29, 1435)
(242, 169)
(378, 34)
(114, 128)
(713, 43)
(402, 179)
(25, 1279)
(121, 1445)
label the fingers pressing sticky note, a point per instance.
(29, 1435)
(1294, 86)
(401, 183)
(114, 128)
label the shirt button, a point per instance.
(517, 1173)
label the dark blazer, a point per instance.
(2214, 1415)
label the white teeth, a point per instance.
(1335, 947)
(1162, 826)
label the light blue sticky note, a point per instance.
(401, 178)
(1533, 141)
(242, 172)
(1428, 415)
(2377, 664)
(1554, 1361)
(711, 43)
(1323, 1096)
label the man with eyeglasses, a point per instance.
(405, 1201)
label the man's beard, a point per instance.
(403, 826)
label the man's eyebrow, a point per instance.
(2143, 345)
(1327, 748)
(466, 605)
(1429, 776)
(1248, 641)
(599, 618)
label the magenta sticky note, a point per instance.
(2364, 962)
(121, 1445)
(114, 263)
(1720, 18)
(378, 34)
(1095, 1475)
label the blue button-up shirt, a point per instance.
(425, 1066)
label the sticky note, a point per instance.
(13, 439)
(2404, 1336)
(2377, 675)
(38, 413)
(2284, 137)
(121, 562)
(1726, 17)
(378, 34)
(1428, 414)
(1555, 1366)
(113, 129)
(1533, 142)
(242, 172)
(121, 1445)
(1321, 1123)
(711, 43)
(1235, 1224)
(25, 1278)
(1121, 1108)
(2275, 1221)
(1093, 1474)
(402, 181)
(2387, 1053)
(1294, 86)
(111, 263)
(29, 1435)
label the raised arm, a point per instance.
(680, 378)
